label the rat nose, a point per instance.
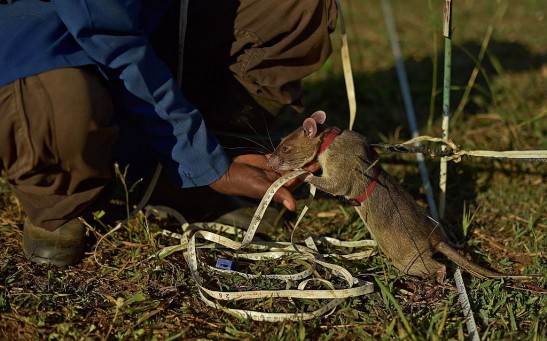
(273, 162)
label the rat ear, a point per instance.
(319, 116)
(310, 127)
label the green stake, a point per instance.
(446, 99)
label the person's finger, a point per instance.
(313, 167)
(246, 180)
(272, 176)
(259, 185)
(294, 183)
(283, 196)
(256, 160)
(291, 185)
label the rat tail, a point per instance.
(475, 269)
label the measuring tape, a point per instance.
(252, 249)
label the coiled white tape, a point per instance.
(307, 256)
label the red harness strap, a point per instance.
(331, 135)
(366, 193)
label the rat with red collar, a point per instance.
(350, 168)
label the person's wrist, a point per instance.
(220, 183)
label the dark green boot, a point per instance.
(62, 247)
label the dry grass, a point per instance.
(497, 209)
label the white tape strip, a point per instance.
(264, 205)
(346, 66)
(466, 307)
(458, 153)
(306, 256)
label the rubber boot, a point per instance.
(62, 247)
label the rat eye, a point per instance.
(285, 149)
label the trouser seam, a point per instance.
(52, 128)
(22, 134)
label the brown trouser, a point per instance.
(56, 136)
(234, 48)
(56, 127)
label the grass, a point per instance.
(496, 209)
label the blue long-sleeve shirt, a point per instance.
(37, 36)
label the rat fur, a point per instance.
(402, 229)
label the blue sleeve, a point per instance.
(111, 32)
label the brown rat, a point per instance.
(403, 230)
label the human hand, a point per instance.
(262, 162)
(292, 184)
(251, 176)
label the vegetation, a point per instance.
(496, 209)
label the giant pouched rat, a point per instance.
(350, 168)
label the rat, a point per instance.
(351, 169)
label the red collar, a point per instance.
(366, 193)
(329, 137)
(327, 140)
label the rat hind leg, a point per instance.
(423, 266)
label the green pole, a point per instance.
(446, 99)
(464, 301)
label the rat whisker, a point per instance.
(260, 146)
(248, 149)
(269, 138)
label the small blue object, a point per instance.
(225, 264)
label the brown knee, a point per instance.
(271, 56)
(268, 46)
(59, 134)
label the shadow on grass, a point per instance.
(381, 111)
(380, 105)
